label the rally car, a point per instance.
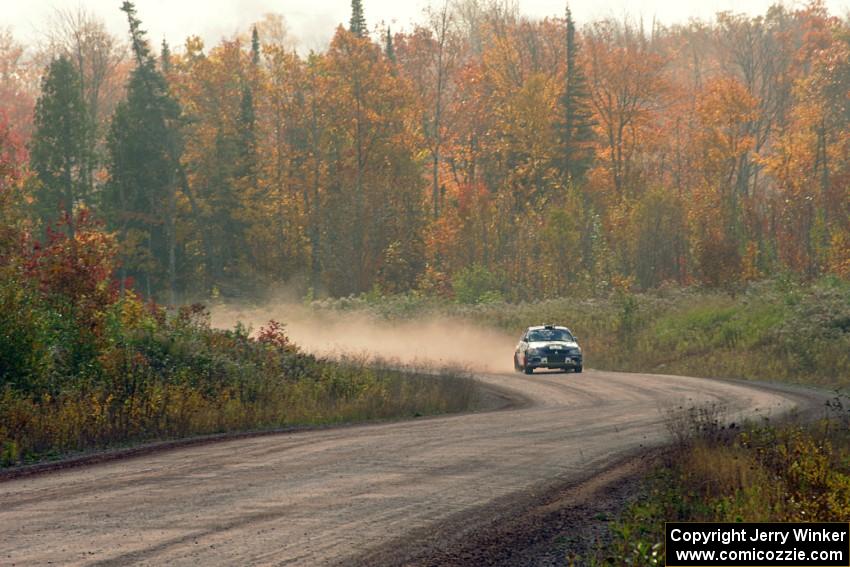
(547, 346)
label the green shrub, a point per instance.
(25, 358)
(476, 284)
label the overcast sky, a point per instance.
(313, 21)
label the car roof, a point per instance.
(540, 327)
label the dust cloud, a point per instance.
(435, 342)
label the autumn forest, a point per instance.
(542, 157)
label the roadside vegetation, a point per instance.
(779, 330)
(85, 366)
(759, 473)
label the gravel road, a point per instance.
(335, 496)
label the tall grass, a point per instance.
(331, 392)
(763, 473)
(149, 376)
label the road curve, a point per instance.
(330, 496)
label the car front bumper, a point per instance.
(549, 361)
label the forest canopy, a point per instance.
(535, 158)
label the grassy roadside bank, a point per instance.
(774, 330)
(788, 472)
(159, 378)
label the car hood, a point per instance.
(544, 344)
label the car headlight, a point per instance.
(532, 352)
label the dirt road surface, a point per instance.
(335, 496)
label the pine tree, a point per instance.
(576, 126)
(255, 46)
(144, 152)
(389, 49)
(165, 57)
(59, 144)
(357, 25)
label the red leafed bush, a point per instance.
(75, 274)
(273, 334)
(13, 156)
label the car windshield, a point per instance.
(542, 335)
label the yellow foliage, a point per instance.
(839, 254)
(749, 263)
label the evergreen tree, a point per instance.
(144, 151)
(59, 144)
(389, 49)
(576, 125)
(255, 46)
(357, 25)
(165, 57)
